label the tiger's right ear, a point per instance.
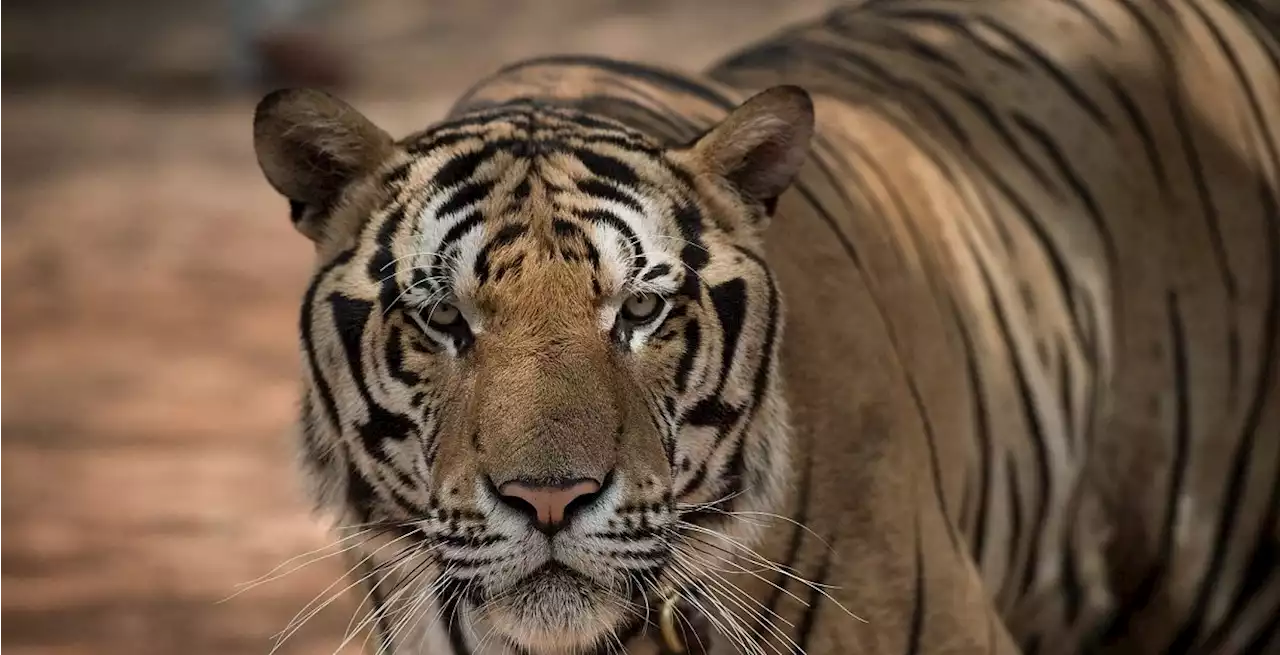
(310, 146)
(761, 145)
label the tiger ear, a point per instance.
(310, 146)
(762, 144)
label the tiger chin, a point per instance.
(539, 353)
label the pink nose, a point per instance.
(548, 504)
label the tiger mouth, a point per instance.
(555, 572)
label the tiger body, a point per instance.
(997, 372)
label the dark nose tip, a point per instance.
(549, 504)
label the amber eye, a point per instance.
(444, 315)
(642, 308)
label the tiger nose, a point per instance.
(549, 504)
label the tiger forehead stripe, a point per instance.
(488, 172)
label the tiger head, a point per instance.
(541, 345)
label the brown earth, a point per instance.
(150, 288)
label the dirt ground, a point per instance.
(150, 290)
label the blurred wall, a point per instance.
(150, 289)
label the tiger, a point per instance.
(924, 326)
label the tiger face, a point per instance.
(541, 346)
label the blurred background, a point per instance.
(151, 282)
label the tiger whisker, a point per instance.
(391, 305)
(735, 593)
(737, 513)
(743, 569)
(295, 623)
(271, 576)
(727, 622)
(750, 553)
(693, 507)
(452, 259)
(375, 614)
(395, 589)
(818, 587)
(417, 604)
(725, 581)
(400, 597)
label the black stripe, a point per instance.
(468, 194)
(1208, 210)
(729, 299)
(462, 167)
(660, 78)
(382, 632)
(395, 358)
(670, 128)
(458, 230)
(1085, 10)
(639, 260)
(1118, 624)
(1066, 392)
(1072, 587)
(1015, 514)
(1035, 435)
(1029, 219)
(694, 254)
(764, 373)
(798, 533)
(1268, 638)
(656, 272)
(714, 411)
(1154, 158)
(982, 428)
(452, 615)
(830, 221)
(1265, 553)
(677, 123)
(810, 616)
(308, 343)
(989, 116)
(603, 190)
(1243, 459)
(1079, 187)
(953, 24)
(567, 229)
(692, 342)
(1063, 78)
(838, 60)
(505, 236)
(823, 153)
(361, 495)
(398, 175)
(923, 50)
(381, 264)
(606, 167)
(351, 318)
(915, 632)
(1256, 111)
(893, 38)
(318, 453)
(1264, 558)
(935, 467)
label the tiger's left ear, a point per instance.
(762, 144)
(311, 146)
